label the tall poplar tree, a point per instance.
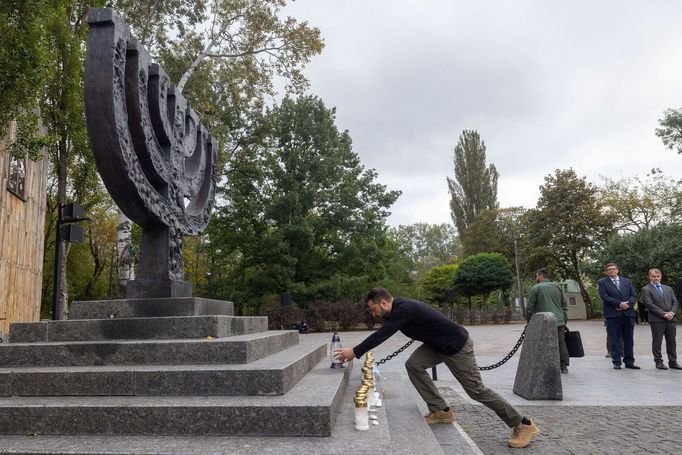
(474, 187)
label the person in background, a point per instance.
(546, 295)
(618, 297)
(663, 307)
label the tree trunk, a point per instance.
(126, 268)
(63, 246)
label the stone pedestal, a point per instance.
(538, 376)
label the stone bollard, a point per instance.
(538, 376)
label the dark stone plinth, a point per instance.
(236, 349)
(273, 375)
(152, 289)
(176, 327)
(308, 409)
(142, 308)
(538, 375)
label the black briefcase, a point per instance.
(574, 343)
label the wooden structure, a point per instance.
(23, 201)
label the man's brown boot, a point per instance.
(440, 417)
(522, 434)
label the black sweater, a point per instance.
(421, 322)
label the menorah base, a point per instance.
(145, 288)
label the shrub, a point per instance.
(281, 317)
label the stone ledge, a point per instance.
(273, 375)
(174, 327)
(143, 308)
(309, 409)
(236, 349)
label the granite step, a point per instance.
(235, 349)
(174, 327)
(142, 308)
(272, 375)
(310, 408)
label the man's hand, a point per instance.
(669, 316)
(344, 354)
(624, 306)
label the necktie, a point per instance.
(659, 289)
(617, 283)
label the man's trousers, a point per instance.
(463, 367)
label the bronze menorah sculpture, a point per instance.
(155, 157)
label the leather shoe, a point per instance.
(633, 367)
(660, 366)
(674, 366)
(617, 367)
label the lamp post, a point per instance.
(67, 231)
(208, 279)
(518, 282)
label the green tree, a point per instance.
(670, 131)
(567, 227)
(636, 253)
(481, 274)
(225, 55)
(436, 282)
(426, 245)
(474, 187)
(26, 56)
(643, 203)
(301, 212)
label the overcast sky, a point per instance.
(548, 85)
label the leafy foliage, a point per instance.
(437, 281)
(641, 204)
(635, 253)
(670, 131)
(301, 213)
(426, 245)
(567, 227)
(475, 185)
(25, 54)
(482, 273)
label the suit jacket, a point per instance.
(658, 305)
(611, 297)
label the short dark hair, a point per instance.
(543, 272)
(376, 295)
(610, 264)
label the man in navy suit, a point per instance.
(618, 297)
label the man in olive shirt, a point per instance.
(547, 296)
(444, 341)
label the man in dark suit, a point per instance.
(618, 297)
(663, 306)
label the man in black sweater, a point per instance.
(444, 341)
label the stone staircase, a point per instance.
(183, 366)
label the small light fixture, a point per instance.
(336, 345)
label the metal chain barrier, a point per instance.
(508, 356)
(390, 356)
(486, 368)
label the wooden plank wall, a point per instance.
(21, 240)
